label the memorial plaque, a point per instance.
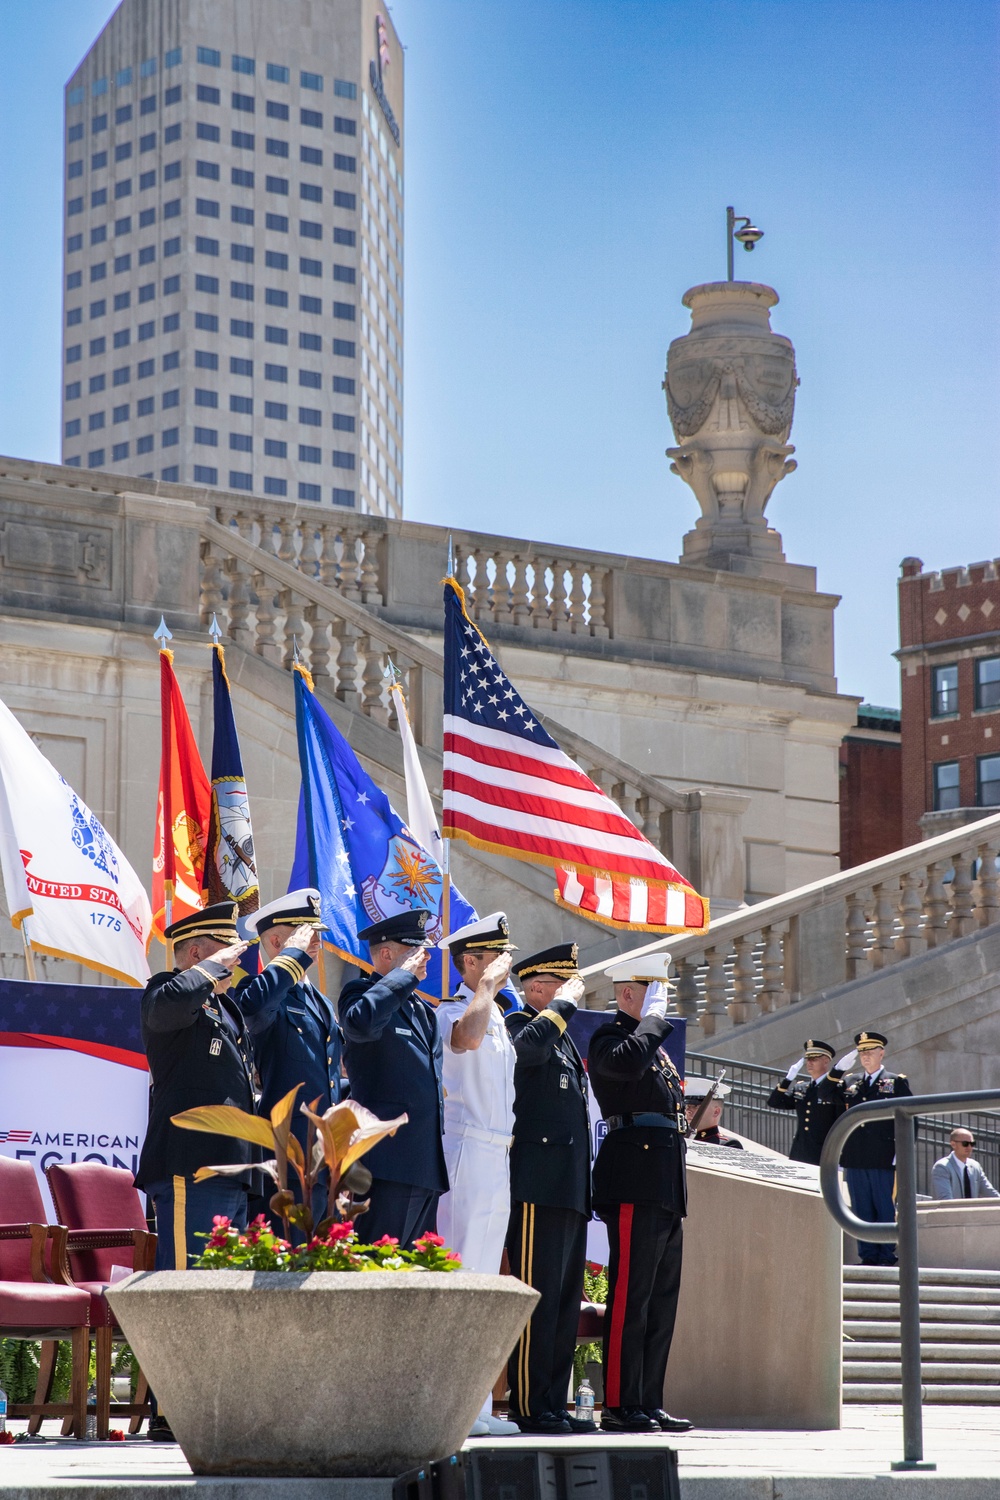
(764, 1166)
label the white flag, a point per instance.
(420, 815)
(62, 872)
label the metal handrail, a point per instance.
(903, 1231)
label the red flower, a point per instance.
(426, 1240)
(221, 1222)
(387, 1239)
(454, 1255)
(259, 1223)
(338, 1232)
(117, 1434)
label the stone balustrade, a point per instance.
(796, 946)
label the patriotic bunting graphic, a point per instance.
(510, 789)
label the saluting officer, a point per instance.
(296, 1038)
(640, 1191)
(870, 1153)
(199, 1053)
(549, 1188)
(392, 1047)
(818, 1101)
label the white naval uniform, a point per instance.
(478, 1125)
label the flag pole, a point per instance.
(29, 952)
(162, 636)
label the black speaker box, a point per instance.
(513, 1474)
(640, 1473)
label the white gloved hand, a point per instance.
(572, 991)
(795, 1070)
(848, 1060)
(658, 1009)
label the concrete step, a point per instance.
(931, 1353)
(974, 1296)
(867, 1371)
(930, 1312)
(859, 1329)
(876, 1394)
(929, 1276)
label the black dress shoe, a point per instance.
(665, 1422)
(159, 1430)
(627, 1419)
(545, 1424)
(579, 1424)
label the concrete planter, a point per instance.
(325, 1374)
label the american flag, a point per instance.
(510, 789)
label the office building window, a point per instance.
(207, 437)
(275, 486)
(310, 417)
(119, 452)
(206, 284)
(277, 223)
(241, 252)
(344, 273)
(311, 192)
(240, 442)
(172, 210)
(344, 310)
(312, 118)
(147, 69)
(344, 126)
(120, 413)
(344, 163)
(240, 215)
(344, 200)
(147, 105)
(946, 787)
(144, 444)
(172, 247)
(75, 133)
(95, 421)
(243, 140)
(312, 81)
(99, 123)
(172, 58)
(988, 683)
(240, 366)
(147, 217)
(208, 208)
(72, 429)
(210, 57)
(170, 398)
(239, 480)
(276, 110)
(342, 460)
(241, 404)
(277, 373)
(310, 492)
(944, 691)
(74, 316)
(147, 292)
(342, 422)
(988, 781)
(309, 455)
(275, 335)
(344, 89)
(171, 475)
(124, 151)
(207, 322)
(99, 235)
(276, 260)
(310, 305)
(73, 391)
(205, 246)
(95, 459)
(275, 298)
(274, 148)
(343, 385)
(312, 157)
(273, 447)
(277, 411)
(172, 134)
(75, 279)
(171, 437)
(146, 331)
(97, 346)
(171, 284)
(73, 353)
(73, 463)
(209, 169)
(205, 360)
(277, 185)
(143, 370)
(239, 328)
(240, 177)
(242, 290)
(207, 132)
(311, 341)
(207, 95)
(95, 383)
(172, 95)
(345, 348)
(343, 497)
(75, 206)
(205, 398)
(243, 64)
(98, 199)
(204, 474)
(244, 102)
(75, 168)
(122, 375)
(75, 241)
(276, 73)
(123, 189)
(310, 230)
(312, 379)
(309, 267)
(172, 322)
(98, 160)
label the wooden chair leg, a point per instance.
(102, 1341)
(43, 1385)
(81, 1363)
(141, 1399)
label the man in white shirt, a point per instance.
(959, 1175)
(478, 1109)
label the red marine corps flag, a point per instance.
(509, 788)
(183, 809)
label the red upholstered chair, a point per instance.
(103, 1215)
(34, 1306)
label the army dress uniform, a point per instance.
(393, 1052)
(640, 1191)
(293, 1028)
(818, 1102)
(199, 1053)
(549, 1190)
(869, 1156)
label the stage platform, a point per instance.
(852, 1464)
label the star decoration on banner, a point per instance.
(486, 691)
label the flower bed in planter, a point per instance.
(324, 1373)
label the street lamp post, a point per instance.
(747, 234)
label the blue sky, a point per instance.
(567, 173)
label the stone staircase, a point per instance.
(960, 1336)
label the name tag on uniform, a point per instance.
(403, 1031)
(215, 1047)
(296, 1010)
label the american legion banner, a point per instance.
(73, 1079)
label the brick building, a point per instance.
(871, 814)
(949, 655)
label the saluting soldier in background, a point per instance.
(870, 1153)
(549, 1188)
(392, 1049)
(695, 1092)
(293, 1027)
(818, 1101)
(199, 1053)
(640, 1191)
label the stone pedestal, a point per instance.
(959, 1235)
(730, 387)
(759, 1324)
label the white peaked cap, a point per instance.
(697, 1088)
(640, 970)
(291, 910)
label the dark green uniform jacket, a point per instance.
(550, 1155)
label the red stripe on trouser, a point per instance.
(613, 1373)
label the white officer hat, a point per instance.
(697, 1088)
(642, 970)
(291, 911)
(492, 932)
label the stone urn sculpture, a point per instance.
(321, 1373)
(730, 387)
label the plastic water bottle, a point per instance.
(584, 1402)
(91, 1416)
(3, 1410)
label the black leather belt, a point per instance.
(645, 1118)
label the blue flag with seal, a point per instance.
(230, 870)
(355, 849)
